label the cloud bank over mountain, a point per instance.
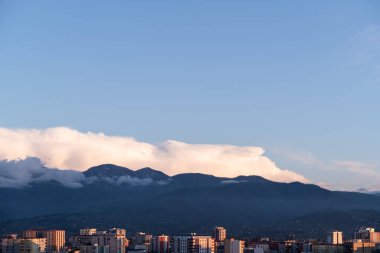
(21, 173)
(67, 148)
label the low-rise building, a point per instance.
(367, 235)
(192, 244)
(113, 241)
(358, 246)
(328, 248)
(23, 245)
(335, 237)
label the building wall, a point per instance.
(363, 247)
(261, 247)
(23, 245)
(87, 231)
(55, 240)
(367, 235)
(180, 244)
(328, 248)
(161, 244)
(220, 234)
(33, 234)
(335, 237)
(233, 246)
(374, 237)
(202, 244)
(113, 240)
(192, 244)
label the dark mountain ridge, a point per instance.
(151, 201)
(111, 170)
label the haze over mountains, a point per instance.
(149, 200)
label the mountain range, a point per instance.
(151, 201)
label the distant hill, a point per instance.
(148, 200)
(317, 224)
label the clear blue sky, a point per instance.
(295, 77)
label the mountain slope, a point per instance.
(108, 170)
(312, 226)
(149, 200)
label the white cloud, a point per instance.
(20, 173)
(363, 54)
(23, 172)
(233, 181)
(337, 174)
(368, 45)
(134, 181)
(67, 148)
(302, 157)
(359, 167)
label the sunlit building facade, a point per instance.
(335, 237)
(161, 244)
(219, 234)
(192, 244)
(367, 235)
(55, 240)
(233, 246)
(110, 241)
(23, 245)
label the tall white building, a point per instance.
(233, 246)
(335, 237)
